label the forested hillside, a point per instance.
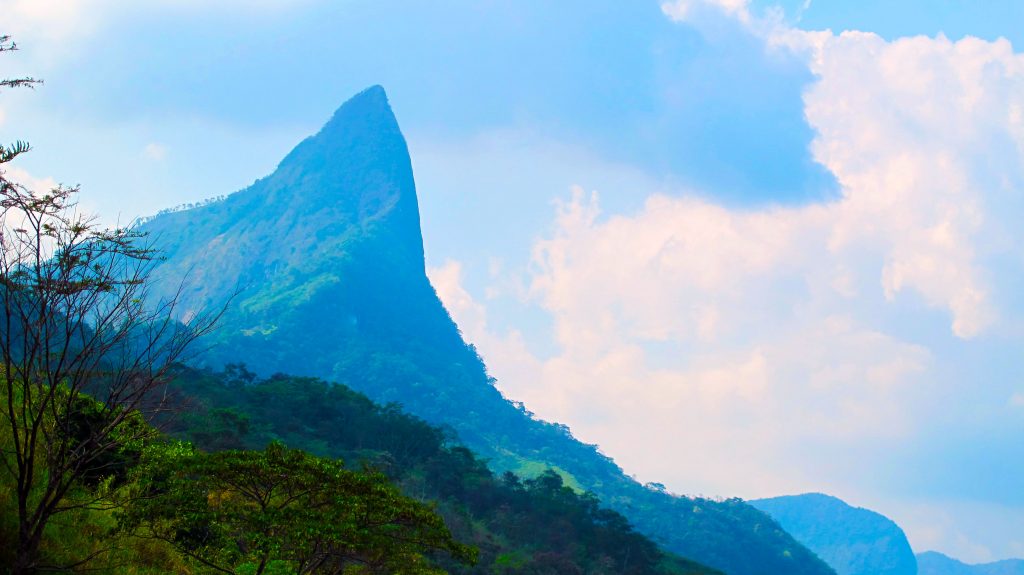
(327, 259)
(536, 525)
(147, 504)
(365, 489)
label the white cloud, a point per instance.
(33, 183)
(684, 10)
(49, 20)
(84, 206)
(753, 351)
(701, 323)
(956, 527)
(14, 219)
(447, 281)
(920, 134)
(509, 349)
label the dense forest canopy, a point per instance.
(519, 525)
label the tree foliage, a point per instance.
(282, 510)
(78, 330)
(533, 525)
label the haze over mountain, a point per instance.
(934, 563)
(852, 540)
(328, 254)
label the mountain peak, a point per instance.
(343, 194)
(364, 125)
(369, 107)
(375, 95)
(357, 171)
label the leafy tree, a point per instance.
(532, 525)
(282, 510)
(76, 322)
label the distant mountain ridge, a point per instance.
(934, 563)
(328, 254)
(852, 540)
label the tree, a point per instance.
(8, 153)
(77, 327)
(282, 510)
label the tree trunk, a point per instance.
(26, 558)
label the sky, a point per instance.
(748, 247)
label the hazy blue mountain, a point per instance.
(934, 563)
(854, 541)
(329, 256)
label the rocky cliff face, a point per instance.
(327, 258)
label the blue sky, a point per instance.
(787, 257)
(891, 20)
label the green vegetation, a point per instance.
(535, 525)
(281, 510)
(83, 354)
(166, 507)
(250, 505)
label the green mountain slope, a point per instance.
(328, 254)
(532, 526)
(934, 563)
(854, 541)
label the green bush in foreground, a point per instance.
(282, 510)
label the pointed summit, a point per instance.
(363, 123)
(371, 104)
(356, 171)
(337, 199)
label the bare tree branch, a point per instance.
(85, 348)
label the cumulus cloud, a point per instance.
(924, 135)
(508, 349)
(711, 328)
(763, 351)
(24, 178)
